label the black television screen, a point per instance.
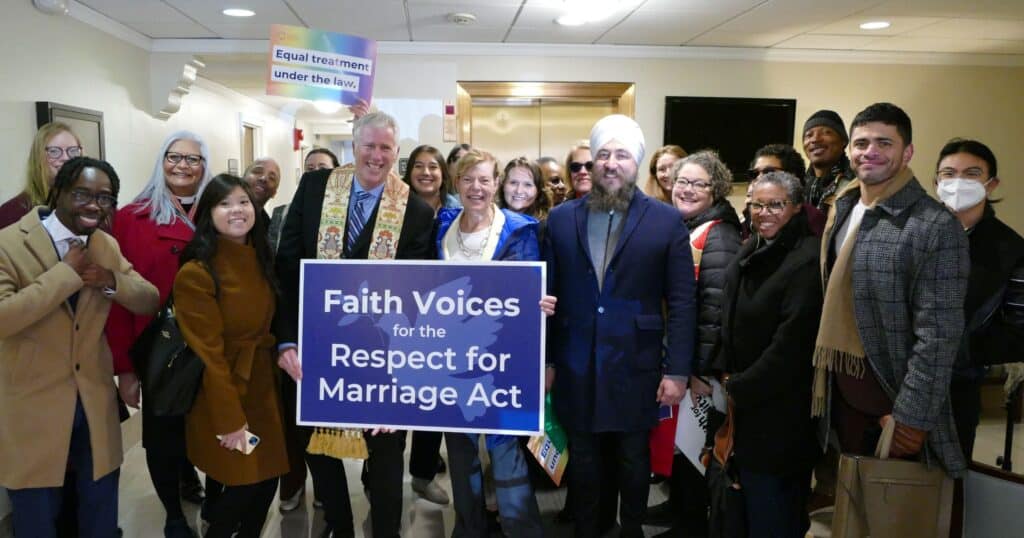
(736, 127)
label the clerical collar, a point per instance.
(187, 200)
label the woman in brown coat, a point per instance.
(224, 297)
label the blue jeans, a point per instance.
(776, 504)
(35, 509)
(520, 516)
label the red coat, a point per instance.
(153, 250)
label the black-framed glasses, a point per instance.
(55, 152)
(774, 207)
(575, 167)
(191, 160)
(754, 173)
(102, 199)
(695, 184)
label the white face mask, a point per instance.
(959, 194)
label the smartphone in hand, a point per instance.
(251, 441)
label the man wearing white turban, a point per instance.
(614, 258)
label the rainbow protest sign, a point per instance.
(315, 65)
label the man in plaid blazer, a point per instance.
(888, 350)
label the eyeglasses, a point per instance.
(102, 199)
(576, 166)
(191, 160)
(971, 173)
(693, 183)
(774, 207)
(754, 173)
(55, 152)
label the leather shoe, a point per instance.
(293, 502)
(191, 490)
(429, 490)
(178, 528)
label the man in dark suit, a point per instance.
(353, 194)
(621, 266)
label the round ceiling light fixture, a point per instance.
(462, 19)
(238, 12)
(875, 25)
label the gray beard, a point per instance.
(600, 199)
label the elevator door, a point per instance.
(533, 128)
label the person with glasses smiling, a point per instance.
(701, 183)
(782, 157)
(770, 312)
(153, 231)
(59, 275)
(53, 145)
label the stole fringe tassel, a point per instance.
(831, 360)
(338, 444)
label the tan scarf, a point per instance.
(330, 241)
(838, 347)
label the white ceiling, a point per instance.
(233, 47)
(956, 26)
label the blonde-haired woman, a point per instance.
(660, 181)
(53, 145)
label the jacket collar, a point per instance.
(637, 207)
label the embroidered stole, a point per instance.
(330, 244)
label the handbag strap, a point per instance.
(885, 440)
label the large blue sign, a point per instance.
(422, 345)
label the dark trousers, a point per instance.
(965, 397)
(689, 497)
(241, 509)
(776, 504)
(295, 480)
(36, 509)
(424, 453)
(166, 458)
(386, 465)
(589, 477)
(520, 516)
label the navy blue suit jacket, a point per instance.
(606, 344)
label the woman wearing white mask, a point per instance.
(965, 178)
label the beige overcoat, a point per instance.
(51, 354)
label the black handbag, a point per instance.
(728, 513)
(169, 371)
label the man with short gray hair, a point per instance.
(312, 231)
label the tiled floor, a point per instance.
(142, 516)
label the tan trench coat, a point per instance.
(51, 355)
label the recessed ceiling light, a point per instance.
(875, 25)
(571, 19)
(325, 106)
(238, 12)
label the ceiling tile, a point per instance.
(430, 21)
(972, 29)
(555, 34)
(950, 8)
(900, 25)
(826, 42)
(209, 15)
(672, 26)
(173, 30)
(775, 21)
(129, 11)
(945, 44)
(383, 20)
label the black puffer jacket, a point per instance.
(722, 244)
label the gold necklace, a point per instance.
(474, 253)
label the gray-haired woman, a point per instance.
(152, 231)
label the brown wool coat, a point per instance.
(49, 354)
(231, 333)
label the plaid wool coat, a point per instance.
(910, 267)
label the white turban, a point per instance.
(620, 128)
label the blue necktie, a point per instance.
(357, 219)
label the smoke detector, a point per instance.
(462, 19)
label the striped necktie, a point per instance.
(357, 219)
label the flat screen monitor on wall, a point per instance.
(735, 127)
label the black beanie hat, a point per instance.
(827, 118)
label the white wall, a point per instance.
(50, 58)
(942, 101)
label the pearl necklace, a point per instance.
(474, 253)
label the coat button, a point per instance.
(78, 367)
(76, 326)
(600, 310)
